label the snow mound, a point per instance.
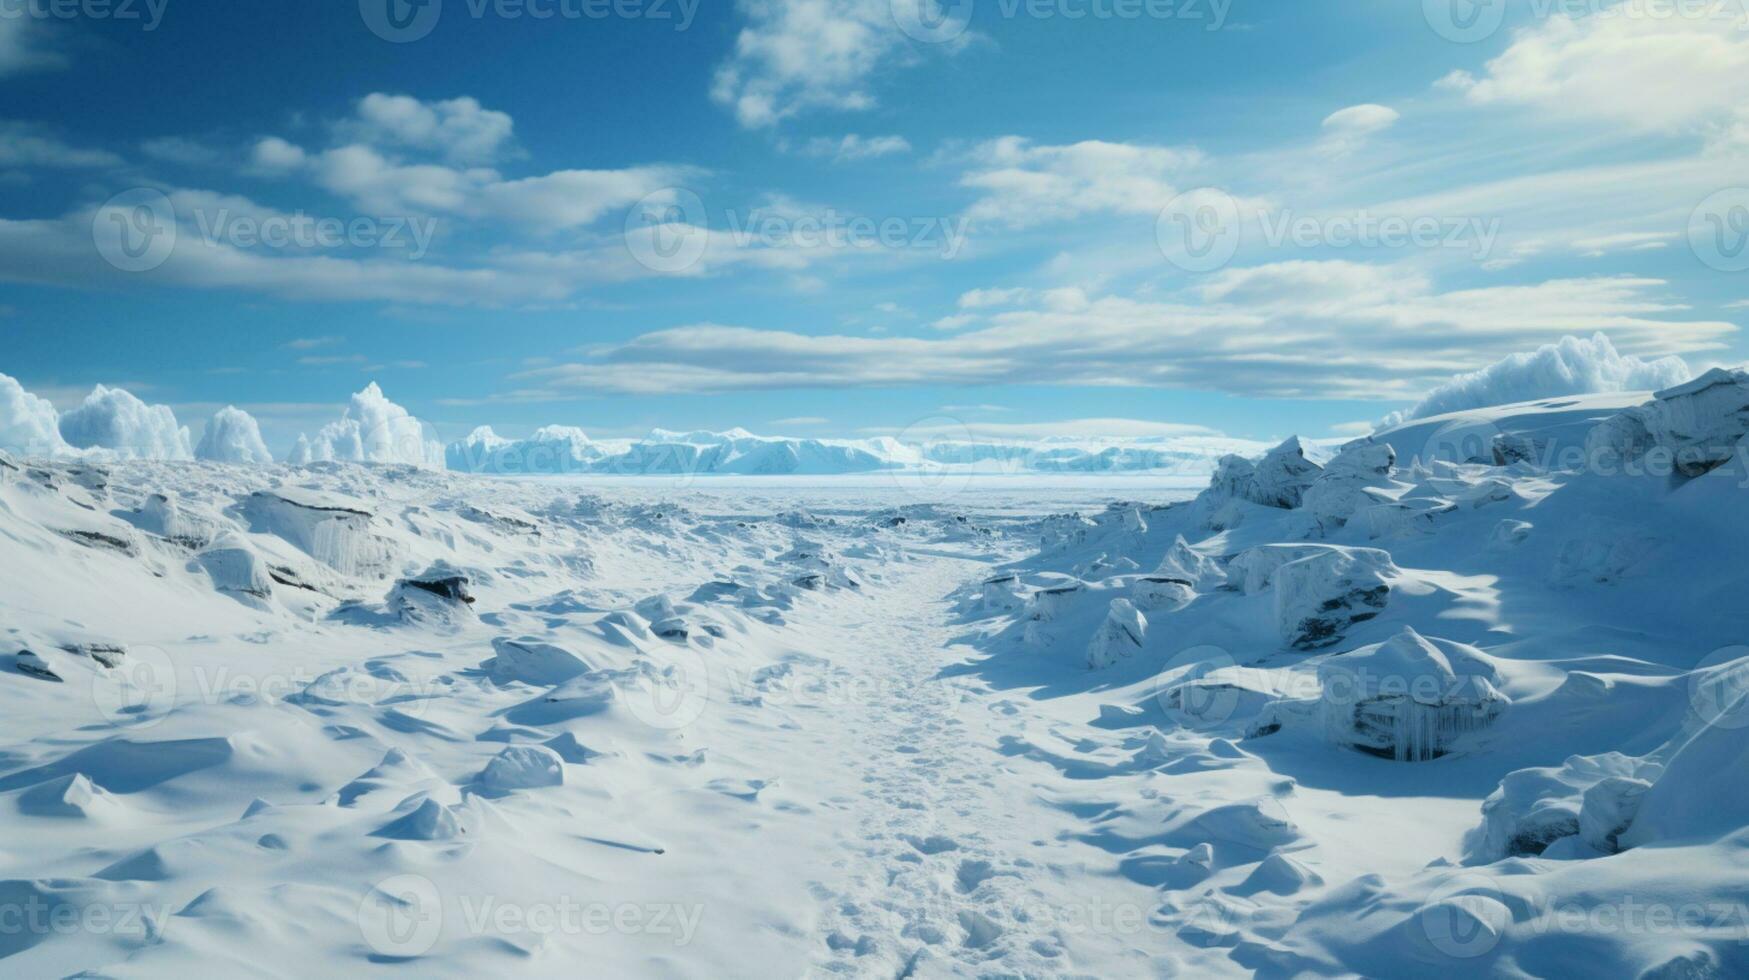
(113, 419)
(236, 568)
(524, 767)
(29, 425)
(232, 436)
(373, 430)
(1120, 636)
(1407, 699)
(1571, 366)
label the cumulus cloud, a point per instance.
(461, 130)
(1294, 330)
(113, 419)
(1571, 366)
(1648, 64)
(233, 436)
(276, 155)
(373, 430)
(799, 55)
(28, 425)
(1024, 184)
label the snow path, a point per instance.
(951, 861)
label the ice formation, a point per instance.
(373, 430)
(115, 420)
(232, 436)
(29, 425)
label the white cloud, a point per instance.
(22, 48)
(1648, 64)
(460, 130)
(29, 145)
(1571, 366)
(233, 436)
(1346, 130)
(1361, 120)
(560, 200)
(1024, 184)
(113, 419)
(275, 155)
(795, 56)
(29, 425)
(855, 147)
(1365, 333)
(373, 430)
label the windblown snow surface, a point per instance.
(1464, 699)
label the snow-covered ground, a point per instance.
(1460, 699)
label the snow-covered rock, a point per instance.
(336, 533)
(1608, 808)
(236, 568)
(1184, 563)
(1159, 594)
(1698, 425)
(528, 660)
(1407, 698)
(1280, 479)
(1342, 489)
(1319, 596)
(439, 595)
(524, 767)
(1120, 636)
(1535, 807)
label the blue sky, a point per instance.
(1000, 196)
